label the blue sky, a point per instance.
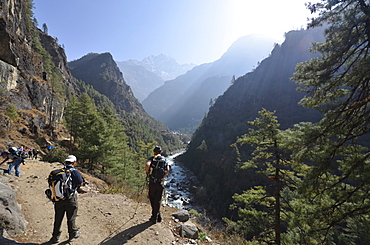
(190, 31)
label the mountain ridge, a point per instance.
(235, 62)
(162, 65)
(150, 73)
(100, 71)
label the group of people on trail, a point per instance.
(64, 206)
(64, 184)
(33, 153)
(156, 169)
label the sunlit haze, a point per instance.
(190, 31)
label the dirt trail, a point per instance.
(106, 219)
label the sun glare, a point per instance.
(267, 17)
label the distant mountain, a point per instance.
(150, 73)
(162, 65)
(141, 80)
(182, 102)
(209, 154)
(102, 73)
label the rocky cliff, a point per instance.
(32, 69)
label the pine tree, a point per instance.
(45, 28)
(261, 207)
(12, 112)
(337, 84)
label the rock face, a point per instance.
(27, 57)
(11, 219)
(16, 37)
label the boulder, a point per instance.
(189, 230)
(11, 218)
(182, 215)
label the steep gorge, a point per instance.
(210, 155)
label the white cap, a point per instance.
(71, 158)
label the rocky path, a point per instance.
(106, 219)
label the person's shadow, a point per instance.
(126, 235)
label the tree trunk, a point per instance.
(277, 200)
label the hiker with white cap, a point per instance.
(66, 204)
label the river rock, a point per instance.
(189, 230)
(11, 218)
(182, 215)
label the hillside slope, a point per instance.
(102, 73)
(209, 154)
(102, 218)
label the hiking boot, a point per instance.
(153, 220)
(54, 240)
(159, 219)
(76, 235)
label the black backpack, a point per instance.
(23, 154)
(60, 185)
(158, 168)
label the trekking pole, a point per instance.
(139, 193)
(136, 208)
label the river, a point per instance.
(179, 188)
(178, 184)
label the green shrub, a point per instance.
(11, 111)
(194, 213)
(56, 154)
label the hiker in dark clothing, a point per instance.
(68, 206)
(30, 155)
(35, 152)
(156, 187)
